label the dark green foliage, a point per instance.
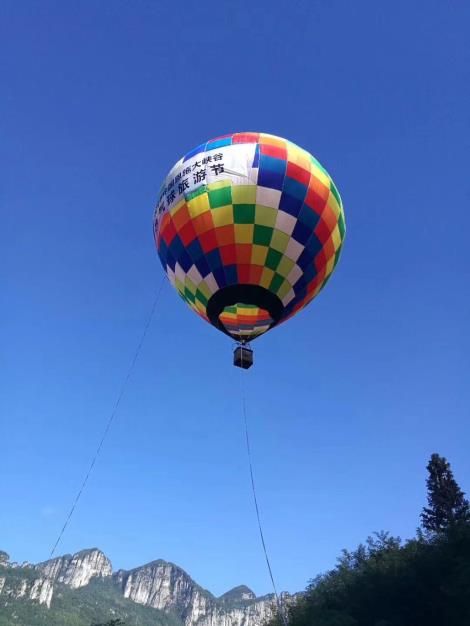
(384, 583)
(113, 622)
(447, 505)
(4, 557)
(425, 582)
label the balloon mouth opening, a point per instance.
(244, 311)
(244, 321)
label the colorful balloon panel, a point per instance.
(249, 228)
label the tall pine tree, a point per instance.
(447, 504)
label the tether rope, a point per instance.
(112, 416)
(279, 602)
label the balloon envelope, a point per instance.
(249, 228)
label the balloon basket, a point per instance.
(243, 357)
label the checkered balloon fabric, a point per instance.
(249, 228)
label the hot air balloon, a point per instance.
(248, 228)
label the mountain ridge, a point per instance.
(156, 593)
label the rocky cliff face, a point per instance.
(42, 590)
(38, 589)
(253, 614)
(77, 570)
(160, 585)
(165, 586)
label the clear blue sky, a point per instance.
(348, 400)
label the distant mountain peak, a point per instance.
(241, 592)
(76, 570)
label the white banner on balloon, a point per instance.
(234, 163)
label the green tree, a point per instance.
(387, 583)
(384, 582)
(113, 622)
(447, 504)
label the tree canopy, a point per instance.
(446, 502)
(424, 581)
